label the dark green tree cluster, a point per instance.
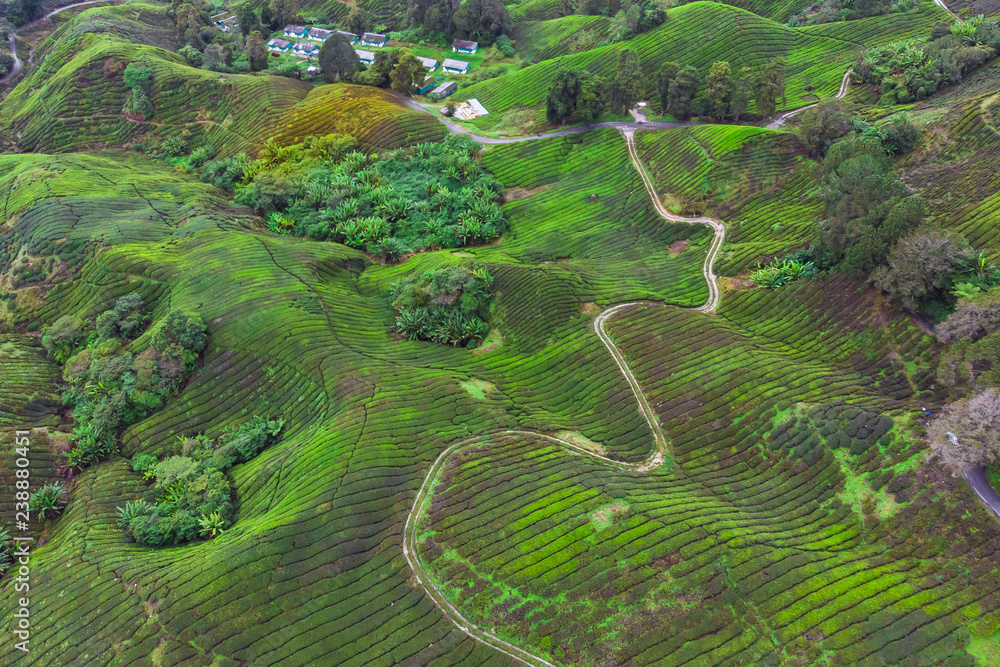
(19, 12)
(139, 79)
(395, 68)
(449, 305)
(337, 58)
(192, 491)
(728, 93)
(577, 94)
(116, 376)
(874, 227)
(909, 70)
(480, 20)
(676, 87)
(426, 196)
(846, 10)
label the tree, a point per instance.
(560, 103)
(634, 16)
(822, 125)
(626, 86)
(247, 18)
(256, 51)
(570, 88)
(974, 318)
(718, 93)
(867, 208)
(920, 264)
(482, 19)
(770, 86)
(742, 92)
(681, 91)
(356, 21)
(968, 432)
(337, 58)
(901, 135)
(664, 78)
(407, 73)
(214, 58)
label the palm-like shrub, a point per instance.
(48, 500)
(779, 273)
(132, 509)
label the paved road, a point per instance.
(13, 47)
(618, 125)
(976, 477)
(17, 61)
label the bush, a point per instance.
(506, 46)
(448, 306)
(779, 273)
(174, 147)
(48, 500)
(63, 338)
(193, 492)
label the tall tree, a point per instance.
(922, 263)
(968, 432)
(356, 21)
(770, 86)
(215, 58)
(718, 94)
(573, 92)
(664, 78)
(337, 58)
(482, 20)
(247, 18)
(822, 125)
(407, 73)
(267, 16)
(256, 51)
(681, 91)
(742, 92)
(626, 86)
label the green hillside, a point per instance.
(701, 33)
(645, 454)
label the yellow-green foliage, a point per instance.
(375, 117)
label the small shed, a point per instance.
(367, 57)
(312, 70)
(351, 37)
(426, 85)
(445, 89)
(429, 63)
(305, 49)
(455, 66)
(464, 46)
(318, 34)
(373, 39)
(278, 44)
(296, 31)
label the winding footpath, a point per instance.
(13, 45)
(975, 476)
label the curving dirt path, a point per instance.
(13, 47)
(656, 459)
(783, 118)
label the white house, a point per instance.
(455, 66)
(296, 31)
(318, 34)
(373, 39)
(367, 57)
(429, 63)
(463, 46)
(305, 49)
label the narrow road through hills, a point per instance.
(988, 496)
(13, 46)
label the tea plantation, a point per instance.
(632, 454)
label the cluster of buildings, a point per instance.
(305, 43)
